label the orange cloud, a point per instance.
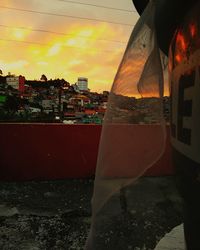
(81, 50)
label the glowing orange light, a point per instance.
(178, 58)
(181, 40)
(193, 29)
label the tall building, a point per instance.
(17, 82)
(82, 83)
(21, 84)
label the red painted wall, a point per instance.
(56, 151)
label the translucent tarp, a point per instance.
(133, 134)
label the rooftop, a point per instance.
(57, 215)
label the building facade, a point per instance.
(16, 82)
(82, 83)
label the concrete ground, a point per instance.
(53, 215)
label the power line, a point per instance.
(45, 44)
(98, 6)
(64, 15)
(60, 33)
(26, 42)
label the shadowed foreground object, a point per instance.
(142, 68)
(177, 25)
(169, 14)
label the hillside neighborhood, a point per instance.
(58, 101)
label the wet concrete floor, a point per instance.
(49, 215)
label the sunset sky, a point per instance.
(58, 46)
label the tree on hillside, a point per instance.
(43, 78)
(12, 104)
